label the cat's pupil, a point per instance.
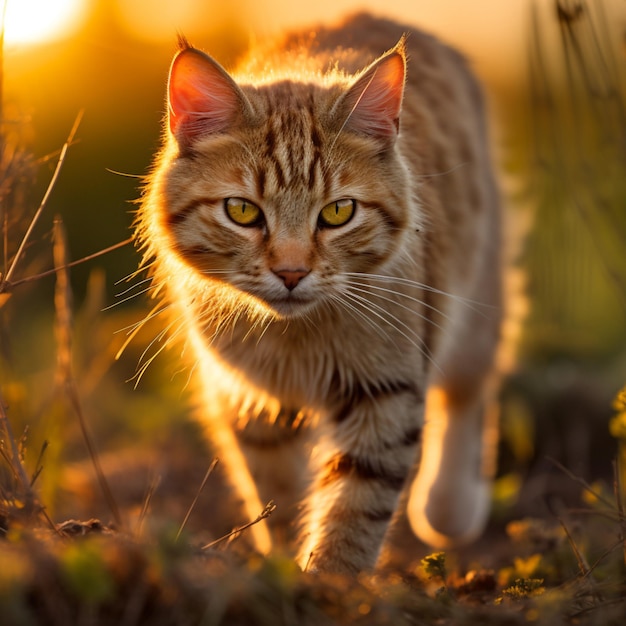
(337, 213)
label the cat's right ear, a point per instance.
(202, 98)
(372, 105)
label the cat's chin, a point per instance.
(291, 308)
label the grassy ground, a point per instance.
(547, 572)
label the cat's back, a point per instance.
(354, 43)
(364, 35)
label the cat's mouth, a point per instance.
(291, 305)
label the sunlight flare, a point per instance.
(38, 21)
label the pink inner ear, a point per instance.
(203, 98)
(376, 98)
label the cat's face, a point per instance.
(285, 190)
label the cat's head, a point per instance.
(284, 188)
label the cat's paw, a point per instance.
(449, 515)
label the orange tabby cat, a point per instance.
(324, 228)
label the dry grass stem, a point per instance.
(89, 257)
(583, 483)
(195, 500)
(583, 566)
(270, 507)
(38, 464)
(63, 332)
(603, 556)
(619, 491)
(154, 485)
(15, 459)
(9, 275)
(62, 303)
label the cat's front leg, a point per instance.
(274, 449)
(363, 464)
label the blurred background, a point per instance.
(554, 75)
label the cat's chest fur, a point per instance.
(313, 362)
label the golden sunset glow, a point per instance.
(38, 21)
(160, 20)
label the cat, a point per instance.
(323, 228)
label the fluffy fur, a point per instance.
(317, 349)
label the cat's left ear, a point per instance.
(374, 101)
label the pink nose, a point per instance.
(291, 278)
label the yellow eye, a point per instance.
(337, 213)
(243, 212)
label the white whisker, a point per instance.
(267, 325)
(156, 311)
(137, 327)
(134, 286)
(355, 286)
(359, 315)
(170, 337)
(192, 369)
(159, 337)
(393, 322)
(128, 298)
(142, 370)
(445, 172)
(407, 281)
(210, 271)
(140, 270)
(255, 324)
(372, 307)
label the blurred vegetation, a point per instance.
(576, 251)
(76, 440)
(570, 155)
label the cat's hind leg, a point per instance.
(450, 498)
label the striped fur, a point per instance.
(316, 347)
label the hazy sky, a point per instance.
(479, 27)
(493, 33)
